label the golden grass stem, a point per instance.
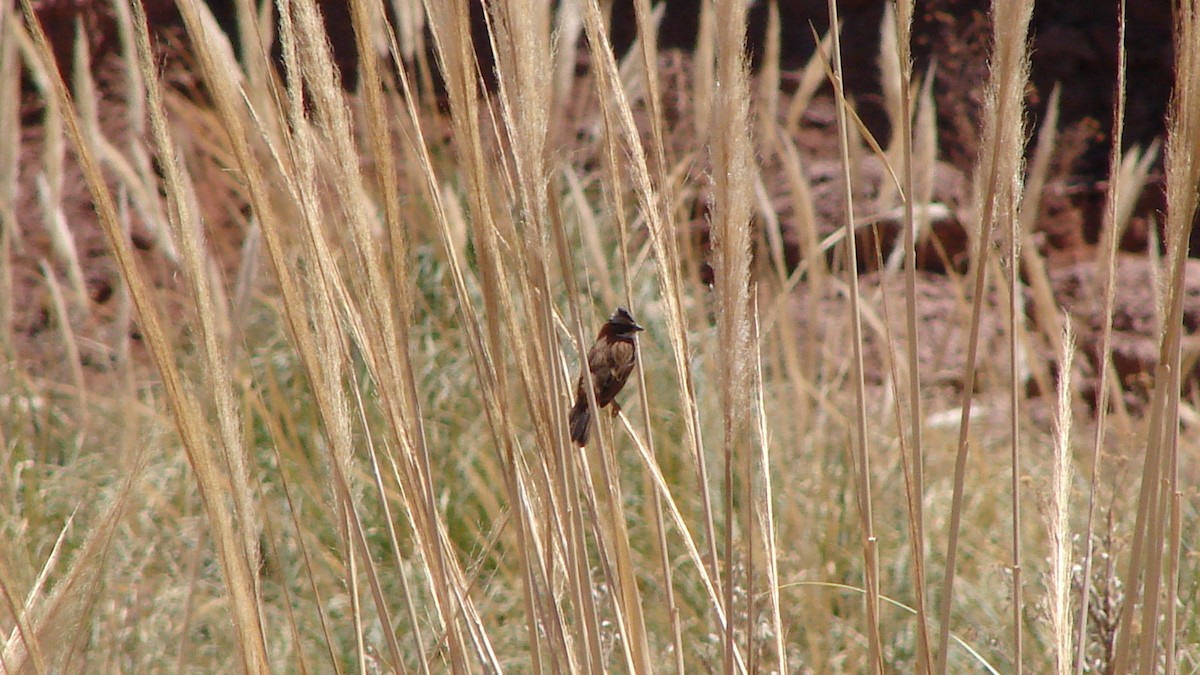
(1045, 309)
(647, 26)
(767, 112)
(681, 527)
(1152, 529)
(187, 236)
(189, 420)
(766, 511)
(1058, 519)
(1144, 527)
(21, 643)
(1102, 388)
(860, 450)
(916, 498)
(1015, 384)
(997, 175)
(734, 175)
(10, 158)
(665, 247)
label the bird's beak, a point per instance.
(637, 328)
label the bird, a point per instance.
(610, 360)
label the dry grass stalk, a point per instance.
(10, 154)
(1059, 512)
(526, 127)
(860, 452)
(896, 39)
(1158, 499)
(189, 419)
(767, 99)
(1111, 239)
(734, 175)
(648, 21)
(187, 237)
(811, 79)
(451, 230)
(666, 251)
(997, 182)
(310, 74)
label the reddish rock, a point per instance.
(1136, 324)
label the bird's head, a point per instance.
(622, 325)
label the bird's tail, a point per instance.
(581, 421)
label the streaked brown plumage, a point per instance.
(610, 360)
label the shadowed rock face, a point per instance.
(1136, 327)
(96, 22)
(1074, 44)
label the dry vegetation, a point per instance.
(343, 447)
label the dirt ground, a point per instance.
(1074, 46)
